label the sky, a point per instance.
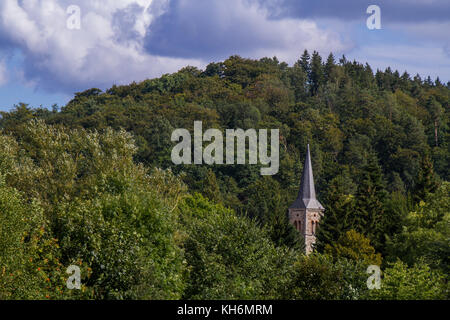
(50, 49)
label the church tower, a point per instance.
(306, 211)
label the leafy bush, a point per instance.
(230, 257)
(320, 277)
(426, 233)
(419, 282)
(354, 246)
(29, 265)
(91, 206)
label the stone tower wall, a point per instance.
(309, 220)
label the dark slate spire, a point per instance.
(306, 198)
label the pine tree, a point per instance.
(418, 79)
(426, 182)
(367, 78)
(339, 206)
(266, 206)
(379, 77)
(370, 199)
(416, 88)
(438, 82)
(283, 233)
(406, 76)
(397, 207)
(405, 82)
(435, 109)
(388, 79)
(329, 67)
(316, 76)
(304, 62)
(298, 79)
(395, 80)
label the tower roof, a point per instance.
(306, 198)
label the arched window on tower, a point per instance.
(296, 225)
(313, 229)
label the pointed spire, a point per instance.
(306, 198)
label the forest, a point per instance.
(92, 184)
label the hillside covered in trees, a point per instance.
(92, 184)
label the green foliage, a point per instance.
(103, 213)
(29, 262)
(369, 204)
(267, 206)
(316, 76)
(319, 277)
(426, 182)
(228, 256)
(80, 185)
(339, 206)
(426, 233)
(354, 246)
(128, 243)
(414, 283)
(54, 164)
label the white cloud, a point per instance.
(109, 48)
(57, 58)
(290, 37)
(214, 29)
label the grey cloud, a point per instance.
(215, 29)
(201, 28)
(410, 11)
(123, 23)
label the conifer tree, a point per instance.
(379, 77)
(418, 79)
(267, 207)
(339, 206)
(316, 76)
(305, 62)
(435, 109)
(388, 79)
(405, 81)
(370, 198)
(406, 76)
(438, 82)
(283, 233)
(426, 182)
(329, 67)
(368, 78)
(298, 79)
(416, 88)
